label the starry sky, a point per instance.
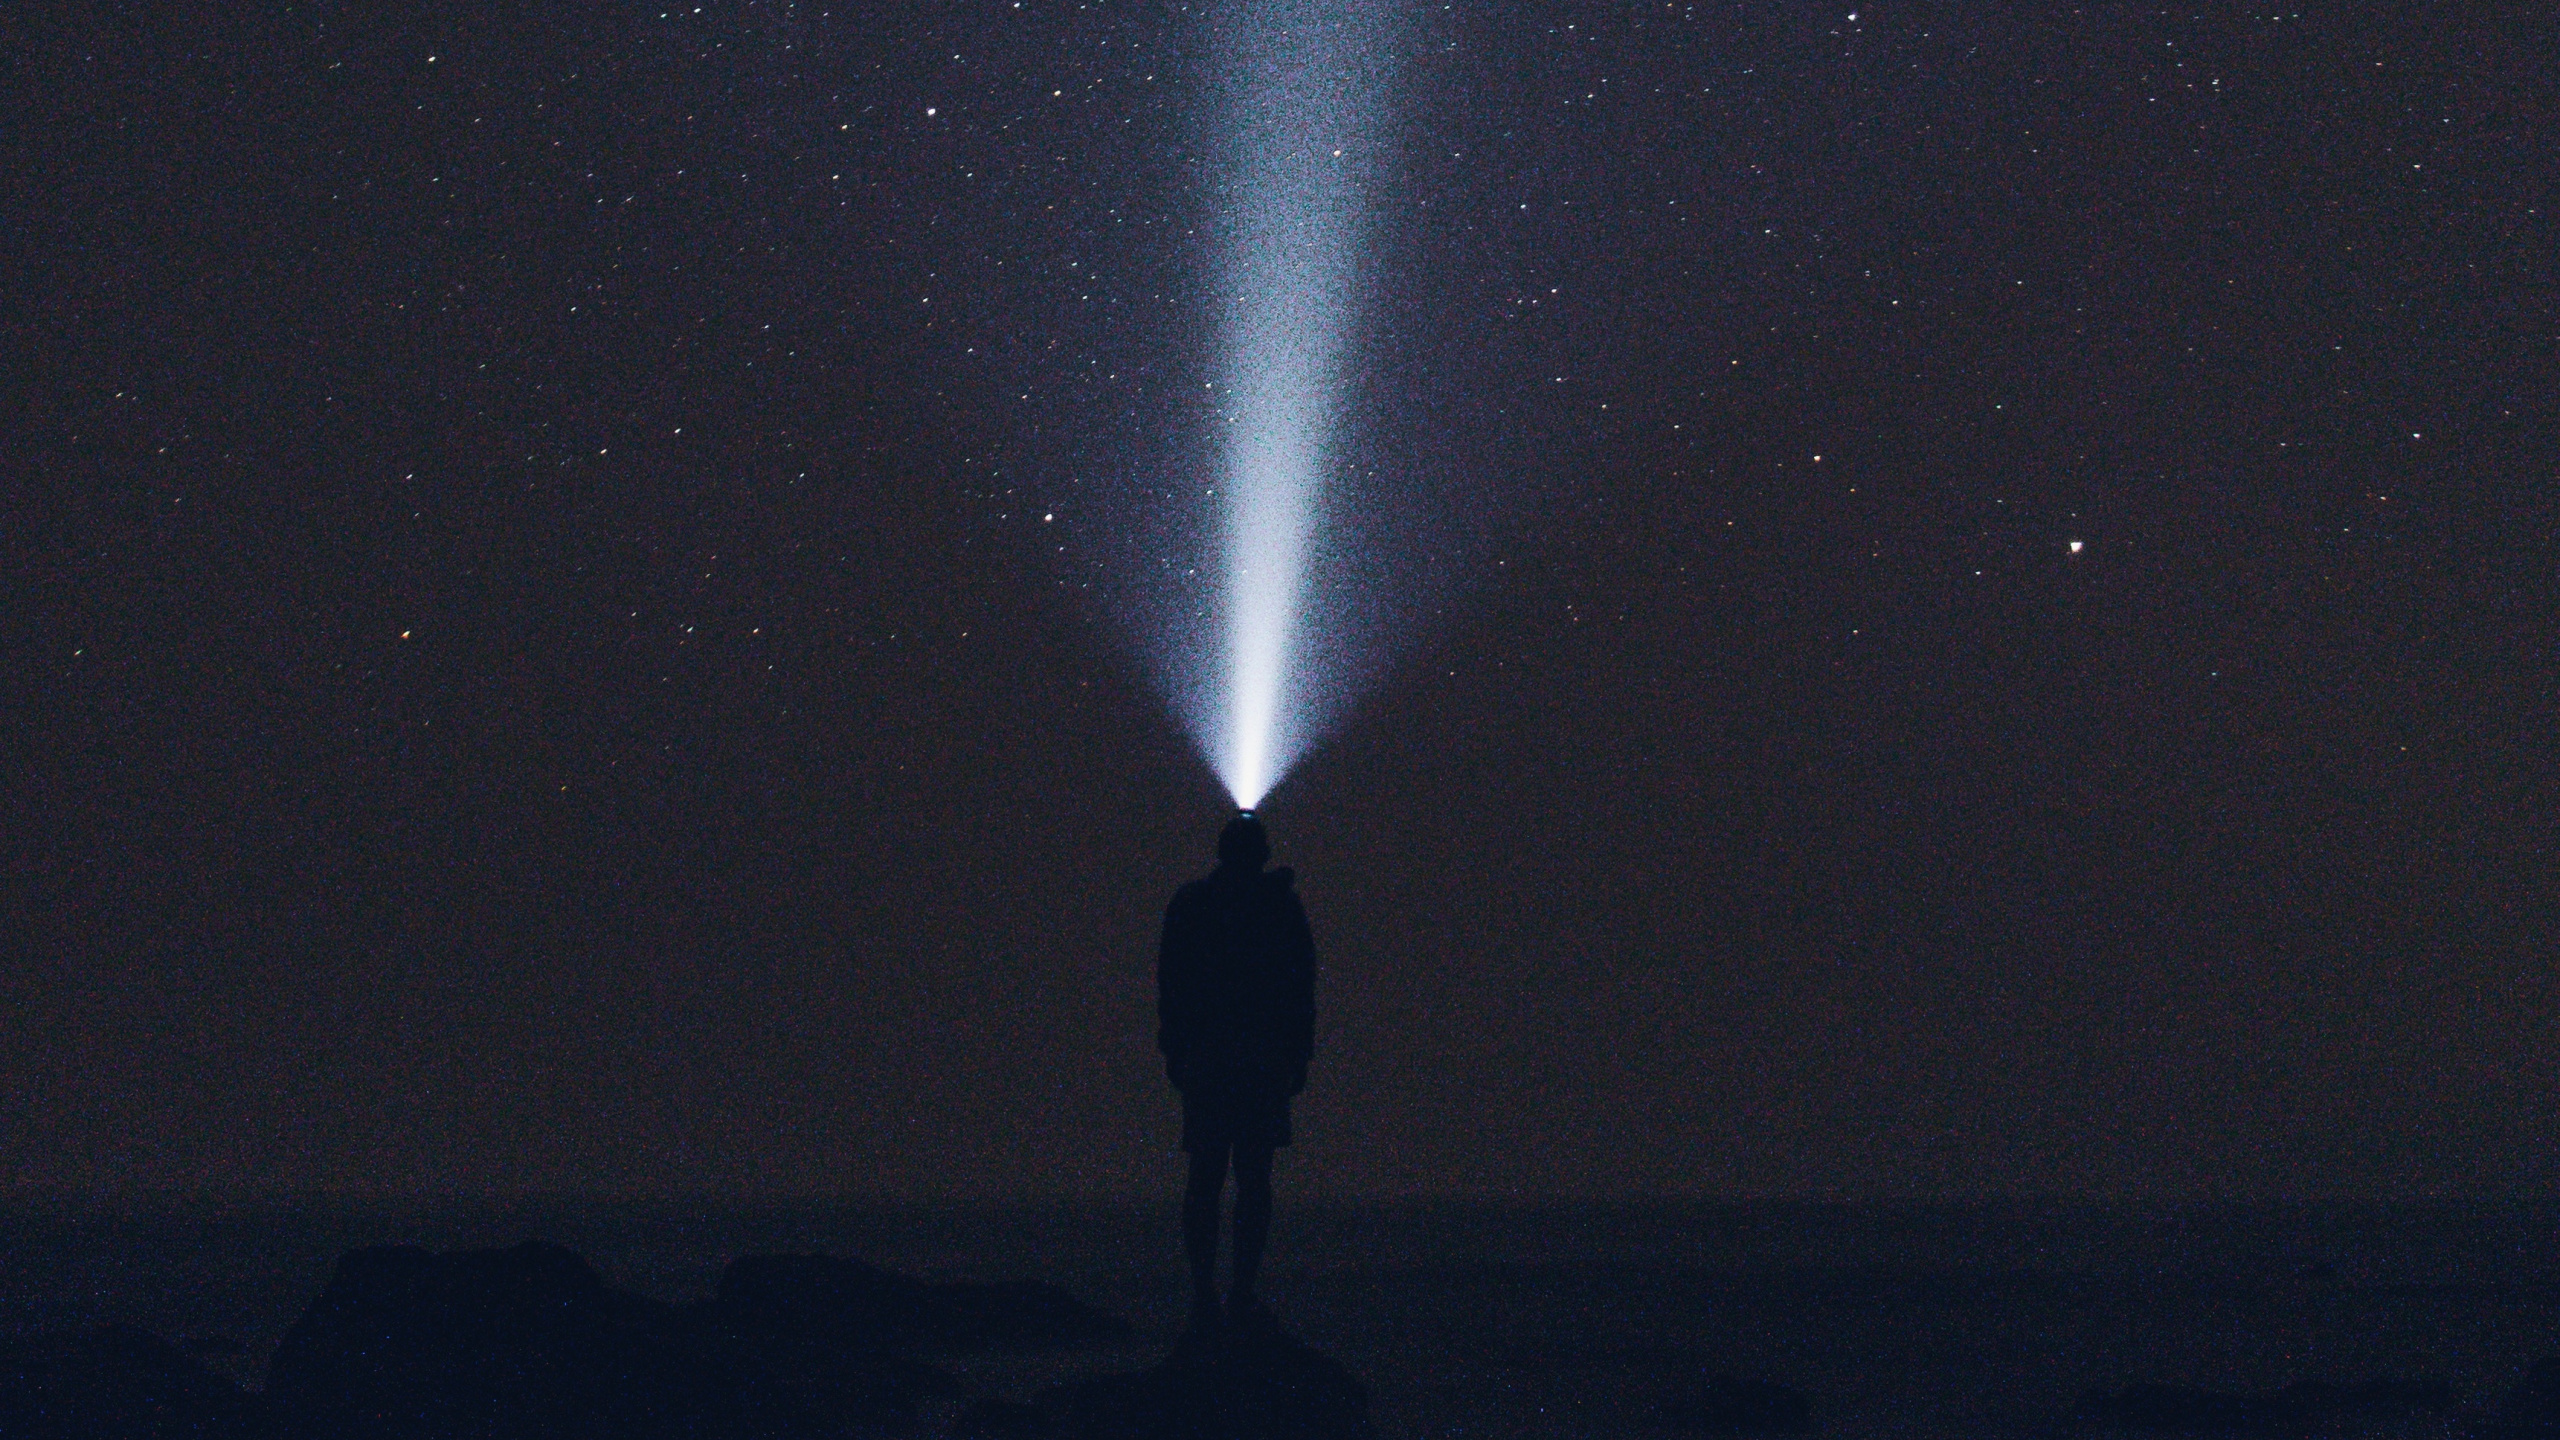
(1944, 600)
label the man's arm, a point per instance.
(1173, 1019)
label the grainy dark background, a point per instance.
(534, 662)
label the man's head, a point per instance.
(1243, 844)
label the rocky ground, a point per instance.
(407, 1344)
(531, 1341)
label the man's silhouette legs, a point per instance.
(1200, 1229)
(1200, 1224)
(1253, 1223)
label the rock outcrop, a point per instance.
(112, 1383)
(1721, 1404)
(405, 1344)
(859, 1304)
(2183, 1409)
(531, 1342)
(1250, 1383)
(2532, 1408)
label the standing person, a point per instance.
(1236, 1012)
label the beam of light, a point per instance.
(1302, 120)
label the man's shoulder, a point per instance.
(1209, 892)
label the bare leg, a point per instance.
(1200, 1225)
(1253, 1218)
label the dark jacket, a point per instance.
(1236, 984)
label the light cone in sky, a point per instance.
(1307, 82)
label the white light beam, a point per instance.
(1309, 77)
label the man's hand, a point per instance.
(1176, 1071)
(1298, 1078)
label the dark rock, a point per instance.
(820, 1295)
(1002, 1420)
(1253, 1384)
(2179, 1408)
(850, 1302)
(1021, 1314)
(2533, 1406)
(2183, 1408)
(112, 1383)
(492, 1344)
(1735, 1405)
(799, 1385)
(2312, 1399)
(496, 1344)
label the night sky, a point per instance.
(1956, 600)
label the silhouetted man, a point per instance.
(1236, 1012)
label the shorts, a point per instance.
(1212, 1120)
